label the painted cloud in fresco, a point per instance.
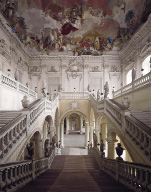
(87, 27)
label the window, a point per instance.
(129, 77)
(146, 65)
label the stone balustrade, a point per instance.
(51, 104)
(12, 83)
(74, 95)
(134, 176)
(139, 83)
(12, 134)
(114, 111)
(140, 135)
(15, 175)
(136, 131)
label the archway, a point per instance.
(48, 128)
(146, 65)
(72, 130)
(101, 131)
(34, 148)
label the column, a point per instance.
(58, 133)
(38, 149)
(111, 139)
(51, 133)
(104, 129)
(62, 135)
(67, 125)
(81, 124)
(91, 135)
(86, 134)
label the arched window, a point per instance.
(146, 65)
(129, 77)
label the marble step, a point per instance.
(143, 116)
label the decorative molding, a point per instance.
(111, 74)
(35, 69)
(136, 39)
(4, 50)
(146, 50)
(74, 105)
(74, 75)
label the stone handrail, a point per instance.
(13, 133)
(139, 134)
(136, 131)
(134, 176)
(12, 83)
(114, 111)
(139, 83)
(74, 95)
(51, 104)
(15, 175)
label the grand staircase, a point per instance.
(74, 173)
(7, 116)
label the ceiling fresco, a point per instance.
(85, 27)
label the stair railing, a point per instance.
(136, 131)
(12, 134)
(135, 176)
(15, 175)
(13, 84)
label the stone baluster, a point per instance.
(2, 146)
(7, 180)
(6, 141)
(11, 138)
(17, 174)
(147, 179)
(18, 131)
(21, 128)
(11, 176)
(2, 182)
(140, 181)
(146, 141)
(141, 139)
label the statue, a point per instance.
(25, 102)
(98, 95)
(44, 92)
(102, 148)
(119, 151)
(30, 149)
(106, 90)
(54, 140)
(16, 75)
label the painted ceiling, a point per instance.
(87, 27)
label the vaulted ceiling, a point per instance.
(87, 27)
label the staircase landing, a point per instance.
(74, 174)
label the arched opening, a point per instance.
(72, 133)
(146, 65)
(112, 142)
(34, 149)
(48, 128)
(129, 77)
(101, 132)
